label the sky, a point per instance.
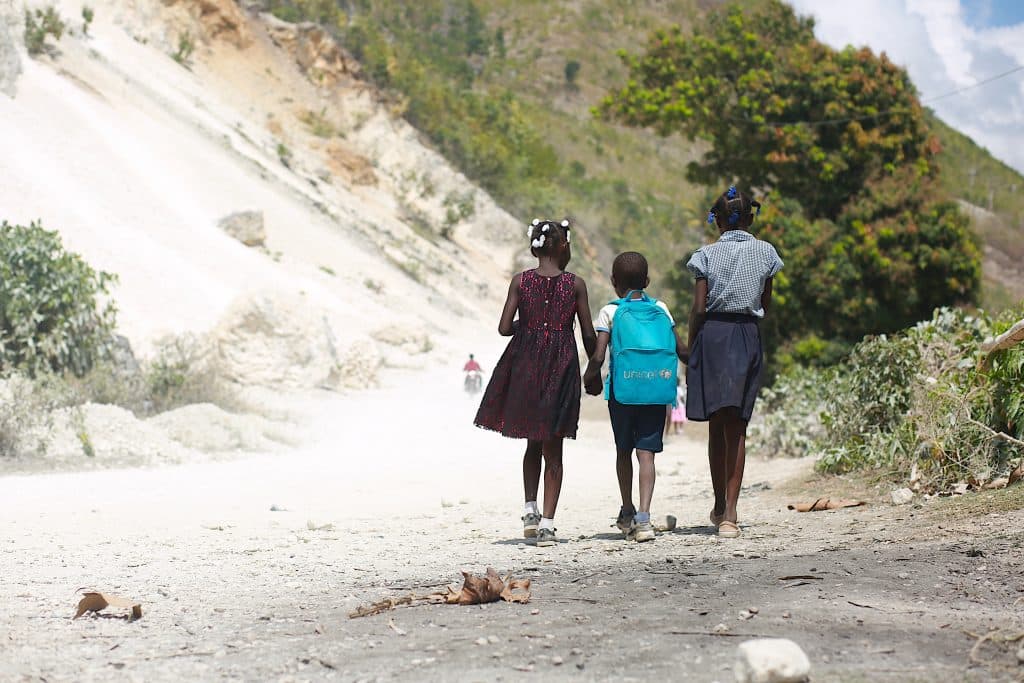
(944, 45)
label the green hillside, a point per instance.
(970, 173)
(505, 89)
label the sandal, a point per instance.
(716, 519)
(727, 529)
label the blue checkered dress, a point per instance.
(736, 268)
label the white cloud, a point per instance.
(942, 53)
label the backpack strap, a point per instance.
(629, 297)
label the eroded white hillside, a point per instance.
(135, 158)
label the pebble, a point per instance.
(720, 628)
(480, 641)
(771, 660)
(1020, 655)
(556, 660)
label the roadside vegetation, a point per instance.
(59, 346)
(924, 407)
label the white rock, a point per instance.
(246, 227)
(771, 660)
(279, 339)
(901, 496)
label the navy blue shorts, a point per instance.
(637, 426)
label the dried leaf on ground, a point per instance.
(94, 602)
(475, 590)
(517, 590)
(825, 504)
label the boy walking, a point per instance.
(642, 376)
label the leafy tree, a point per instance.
(841, 143)
(52, 317)
(749, 80)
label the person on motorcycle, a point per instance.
(474, 375)
(471, 365)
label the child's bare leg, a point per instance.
(624, 471)
(552, 476)
(736, 455)
(647, 476)
(531, 469)
(716, 459)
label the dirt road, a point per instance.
(248, 569)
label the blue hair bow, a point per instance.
(734, 218)
(731, 194)
(711, 216)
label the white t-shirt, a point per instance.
(607, 315)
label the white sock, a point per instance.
(531, 508)
(546, 523)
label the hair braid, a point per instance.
(734, 208)
(547, 236)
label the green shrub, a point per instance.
(918, 405)
(572, 71)
(181, 373)
(318, 124)
(789, 413)
(458, 207)
(1006, 374)
(87, 16)
(284, 155)
(39, 24)
(324, 12)
(52, 317)
(185, 49)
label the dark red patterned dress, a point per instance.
(534, 392)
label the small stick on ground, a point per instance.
(993, 636)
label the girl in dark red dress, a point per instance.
(534, 392)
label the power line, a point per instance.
(976, 85)
(894, 110)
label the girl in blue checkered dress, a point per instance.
(732, 292)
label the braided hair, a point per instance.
(734, 209)
(547, 237)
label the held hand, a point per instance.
(593, 384)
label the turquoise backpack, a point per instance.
(644, 364)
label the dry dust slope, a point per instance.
(135, 158)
